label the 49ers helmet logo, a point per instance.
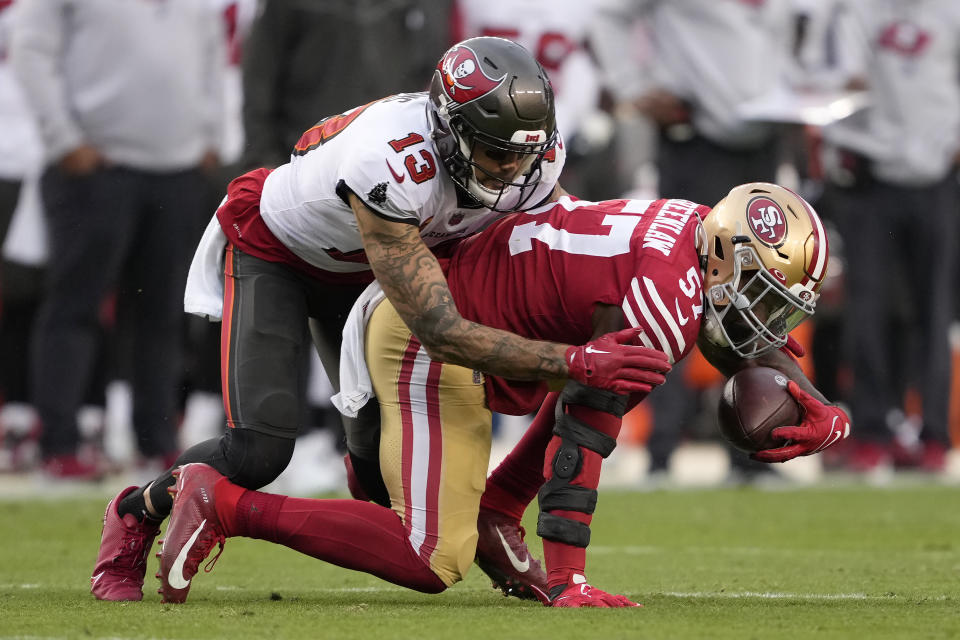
(463, 78)
(767, 221)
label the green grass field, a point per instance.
(843, 562)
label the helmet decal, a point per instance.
(767, 221)
(463, 78)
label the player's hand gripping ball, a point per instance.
(755, 401)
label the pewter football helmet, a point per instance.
(491, 91)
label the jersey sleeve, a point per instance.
(368, 174)
(665, 299)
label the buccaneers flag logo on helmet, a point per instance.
(463, 78)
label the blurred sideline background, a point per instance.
(681, 99)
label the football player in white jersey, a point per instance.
(366, 193)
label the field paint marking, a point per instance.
(29, 585)
(772, 595)
(636, 550)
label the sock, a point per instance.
(227, 497)
(348, 533)
(134, 504)
(515, 482)
(160, 498)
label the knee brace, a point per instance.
(253, 459)
(560, 492)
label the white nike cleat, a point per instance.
(503, 556)
(192, 531)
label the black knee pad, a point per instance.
(558, 494)
(254, 459)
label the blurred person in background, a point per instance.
(556, 33)
(892, 188)
(307, 57)
(703, 60)
(128, 98)
(23, 249)
(202, 402)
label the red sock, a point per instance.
(515, 482)
(227, 496)
(348, 533)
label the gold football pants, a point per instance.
(434, 444)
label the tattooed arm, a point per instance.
(412, 280)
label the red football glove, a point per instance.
(616, 362)
(822, 426)
(583, 595)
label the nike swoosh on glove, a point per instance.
(618, 362)
(583, 595)
(823, 425)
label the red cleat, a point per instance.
(193, 530)
(122, 559)
(503, 555)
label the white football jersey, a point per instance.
(382, 152)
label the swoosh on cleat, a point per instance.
(175, 578)
(521, 567)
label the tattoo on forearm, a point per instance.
(411, 277)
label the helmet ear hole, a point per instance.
(717, 248)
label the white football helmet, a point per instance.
(766, 257)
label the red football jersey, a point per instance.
(539, 274)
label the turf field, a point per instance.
(832, 562)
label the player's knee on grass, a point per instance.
(454, 557)
(255, 459)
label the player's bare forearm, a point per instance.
(728, 363)
(412, 280)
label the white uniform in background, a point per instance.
(909, 54)
(555, 32)
(115, 86)
(697, 43)
(238, 16)
(21, 156)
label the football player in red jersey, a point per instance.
(735, 280)
(366, 193)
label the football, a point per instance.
(755, 401)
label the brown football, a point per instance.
(754, 402)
